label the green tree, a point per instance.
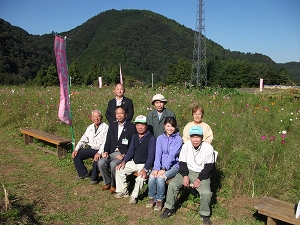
(51, 78)
(283, 78)
(179, 73)
(38, 80)
(94, 72)
(75, 74)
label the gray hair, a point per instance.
(96, 111)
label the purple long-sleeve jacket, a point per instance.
(167, 151)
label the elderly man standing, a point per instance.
(196, 161)
(119, 100)
(139, 158)
(157, 116)
(116, 146)
(91, 144)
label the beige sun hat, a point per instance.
(159, 97)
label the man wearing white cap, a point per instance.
(139, 158)
(157, 116)
(196, 161)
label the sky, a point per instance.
(268, 27)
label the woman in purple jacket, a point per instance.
(166, 166)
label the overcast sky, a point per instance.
(269, 27)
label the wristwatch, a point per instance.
(162, 168)
(146, 170)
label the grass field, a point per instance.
(256, 135)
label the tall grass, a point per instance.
(256, 134)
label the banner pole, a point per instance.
(69, 87)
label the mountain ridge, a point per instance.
(142, 41)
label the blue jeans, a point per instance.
(157, 186)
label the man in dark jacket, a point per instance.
(120, 100)
(139, 158)
(116, 146)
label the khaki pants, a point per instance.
(203, 190)
(121, 185)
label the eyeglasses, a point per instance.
(197, 114)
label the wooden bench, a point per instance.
(60, 142)
(277, 210)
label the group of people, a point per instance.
(152, 147)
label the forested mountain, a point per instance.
(294, 70)
(143, 42)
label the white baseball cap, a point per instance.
(140, 119)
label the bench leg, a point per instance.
(61, 152)
(271, 221)
(30, 139)
(27, 139)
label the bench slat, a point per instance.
(277, 209)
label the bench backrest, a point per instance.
(216, 155)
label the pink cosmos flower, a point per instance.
(283, 135)
(263, 137)
(283, 142)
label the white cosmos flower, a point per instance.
(284, 132)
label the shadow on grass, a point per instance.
(217, 176)
(20, 212)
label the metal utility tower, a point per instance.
(199, 70)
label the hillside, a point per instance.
(142, 41)
(294, 70)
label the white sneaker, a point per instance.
(122, 194)
(132, 200)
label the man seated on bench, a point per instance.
(116, 146)
(196, 161)
(140, 158)
(91, 144)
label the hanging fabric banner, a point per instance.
(64, 111)
(121, 76)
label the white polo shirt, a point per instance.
(196, 158)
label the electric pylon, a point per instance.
(199, 70)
